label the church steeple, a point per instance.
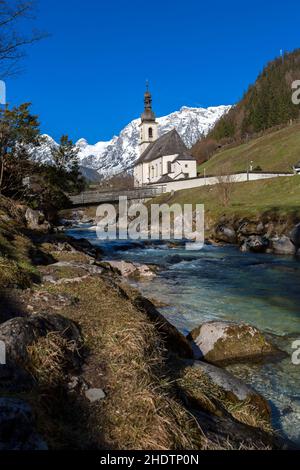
(148, 124)
(148, 114)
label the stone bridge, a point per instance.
(99, 197)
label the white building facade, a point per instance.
(161, 159)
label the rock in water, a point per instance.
(255, 243)
(283, 246)
(225, 234)
(126, 269)
(230, 387)
(248, 228)
(221, 342)
(295, 236)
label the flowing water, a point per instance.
(220, 283)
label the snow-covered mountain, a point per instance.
(118, 154)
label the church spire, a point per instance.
(148, 125)
(148, 115)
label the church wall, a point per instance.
(212, 180)
(188, 166)
(166, 159)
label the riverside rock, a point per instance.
(126, 269)
(220, 342)
(225, 233)
(283, 246)
(248, 228)
(295, 236)
(232, 388)
(255, 243)
(21, 332)
(35, 220)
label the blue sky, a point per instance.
(88, 78)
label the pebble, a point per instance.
(94, 394)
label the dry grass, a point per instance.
(141, 411)
(49, 357)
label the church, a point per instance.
(162, 159)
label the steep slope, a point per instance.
(114, 156)
(267, 103)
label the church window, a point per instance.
(150, 133)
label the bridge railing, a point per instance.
(94, 197)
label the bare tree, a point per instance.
(12, 41)
(225, 184)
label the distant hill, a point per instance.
(267, 103)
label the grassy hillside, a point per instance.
(277, 151)
(279, 195)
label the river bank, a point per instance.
(92, 364)
(223, 283)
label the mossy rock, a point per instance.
(217, 391)
(220, 342)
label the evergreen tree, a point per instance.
(66, 164)
(266, 104)
(19, 131)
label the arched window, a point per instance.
(150, 132)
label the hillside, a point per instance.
(266, 104)
(276, 151)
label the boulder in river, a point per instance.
(221, 342)
(127, 269)
(283, 246)
(255, 244)
(250, 227)
(225, 233)
(219, 391)
(295, 236)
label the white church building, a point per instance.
(162, 159)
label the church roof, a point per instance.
(184, 157)
(165, 179)
(168, 144)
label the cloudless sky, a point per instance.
(88, 78)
